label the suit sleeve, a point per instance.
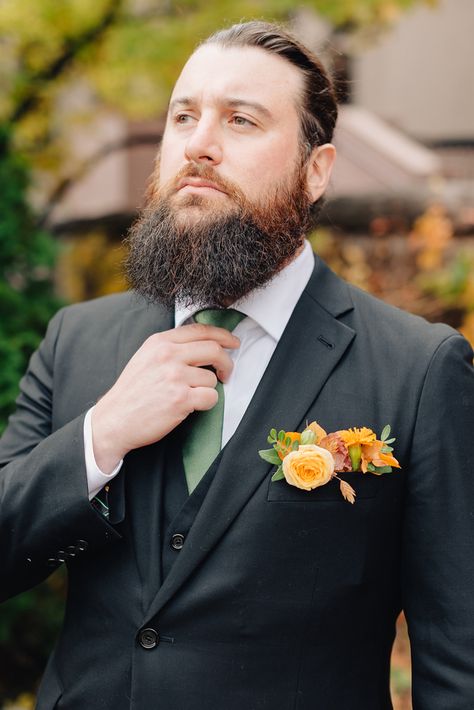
(45, 512)
(438, 545)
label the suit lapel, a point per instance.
(311, 346)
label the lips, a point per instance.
(195, 182)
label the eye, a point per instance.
(242, 121)
(183, 118)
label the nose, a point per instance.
(204, 144)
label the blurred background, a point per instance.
(84, 86)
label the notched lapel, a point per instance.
(312, 345)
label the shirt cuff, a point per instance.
(96, 479)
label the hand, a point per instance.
(159, 387)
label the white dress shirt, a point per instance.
(268, 310)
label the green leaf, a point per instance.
(370, 467)
(278, 475)
(270, 440)
(281, 435)
(389, 441)
(386, 449)
(270, 455)
(273, 434)
(295, 446)
(378, 470)
(385, 432)
(308, 437)
(288, 441)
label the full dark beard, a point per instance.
(218, 258)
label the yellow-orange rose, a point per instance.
(308, 467)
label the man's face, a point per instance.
(230, 202)
(233, 116)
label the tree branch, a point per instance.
(71, 49)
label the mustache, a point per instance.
(205, 172)
(221, 255)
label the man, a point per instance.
(192, 589)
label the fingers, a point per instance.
(197, 345)
(197, 331)
(203, 398)
(200, 377)
(205, 353)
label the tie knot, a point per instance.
(227, 318)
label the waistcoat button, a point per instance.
(148, 638)
(177, 541)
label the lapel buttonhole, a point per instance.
(326, 342)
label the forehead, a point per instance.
(244, 72)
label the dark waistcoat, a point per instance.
(179, 509)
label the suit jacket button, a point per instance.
(148, 638)
(52, 562)
(177, 541)
(82, 545)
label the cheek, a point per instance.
(168, 162)
(162, 172)
(271, 167)
(262, 184)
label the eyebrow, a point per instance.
(231, 102)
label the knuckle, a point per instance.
(178, 395)
(200, 329)
(209, 381)
(212, 379)
(195, 331)
(153, 339)
(216, 350)
(174, 373)
(165, 351)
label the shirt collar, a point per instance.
(272, 305)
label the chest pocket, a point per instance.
(365, 485)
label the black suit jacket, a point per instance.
(279, 598)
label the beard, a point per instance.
(201, 251)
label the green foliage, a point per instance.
(278, 475)
(308, 437)
(29, 622)
(270, 455)
(29, 625)
(27, 255)
(378, 470)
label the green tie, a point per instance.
(204, 439)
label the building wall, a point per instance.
(105, 188)
(419, 75)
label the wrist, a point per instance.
(106, 442)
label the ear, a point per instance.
(319, 169)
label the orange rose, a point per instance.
(308, 467)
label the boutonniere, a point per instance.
(313, 458)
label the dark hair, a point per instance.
(318, 106)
